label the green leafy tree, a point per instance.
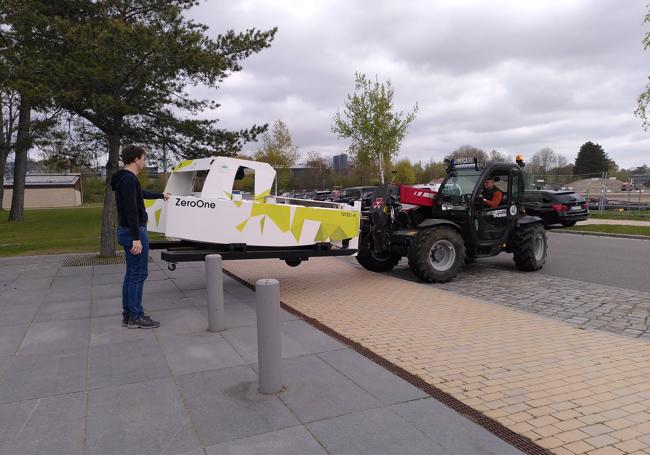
(318, 172)
(432, 170)
(591, 159)
(370, 122)
(8, 126)
(22, 76)
(644, 98)
(278, 150)
(124, 66)
(405, 172)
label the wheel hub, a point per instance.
(443, 255)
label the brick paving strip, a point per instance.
(585, 305)
(568, 389)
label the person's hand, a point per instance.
(137, 247)
(166, 195)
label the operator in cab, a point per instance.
(492, 196)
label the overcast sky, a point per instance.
(515, 76)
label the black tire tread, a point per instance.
(419, 256)
(523, 247)
(369, 261)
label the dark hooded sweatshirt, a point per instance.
(129, 198)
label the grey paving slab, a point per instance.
(107, 291)
(43, 426)
(156, 275)
(10, 338)
(4, 285)
(225, 405)
(237, 314)
(57, 311)
(68, 294)
(291, 441)
(244, 340)
(191, 283)
(192, 352)
(106, 307)
(27, 282)
(373, 432)
(75, 271)
(9, 273)
(160, 287)
(109, 268)
(451, 430)
(147, 418)
(108, 329)
(12, 315)
(308, 337)
(108, 278)
(5, 360)
(43, 270)
(158, 302)
(126, 362)
(315, 390)
(42, 375)
(71, 281)
(181, 320)
(374, 379)
(56, 336)
(23, 296)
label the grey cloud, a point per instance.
(515, 76)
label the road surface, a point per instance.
(610, 261)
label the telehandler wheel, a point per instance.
(529, 247)
(437, 254)
(371, 260)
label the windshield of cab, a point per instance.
(460, 182)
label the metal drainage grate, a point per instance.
(522, 443)
(80, 260)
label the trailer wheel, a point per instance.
(293, 262)
(437, 254)
(529, 247)
(372, 261)
(171, 266)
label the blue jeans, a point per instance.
(137, 270)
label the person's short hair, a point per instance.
(132, 152)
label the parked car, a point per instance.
(556, 208)
(323, 196)
(356, 193)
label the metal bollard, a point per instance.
(214, 283)
(269, 350)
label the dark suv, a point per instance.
(356, 193)
(556, 208)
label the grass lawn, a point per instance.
(641, 215)
(613, 229)
(52, 231)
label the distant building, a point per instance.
(340, 163)
(151, 172)
(46, 190)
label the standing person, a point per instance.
(132, 235)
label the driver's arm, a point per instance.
(495, 201)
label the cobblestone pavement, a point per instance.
(585, 305)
